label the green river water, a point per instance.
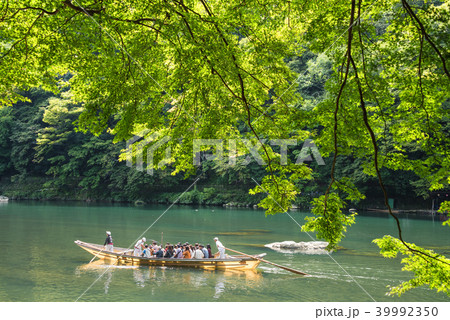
(40, 262)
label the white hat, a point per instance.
(216, 238)
(143, 239)
(108, 232)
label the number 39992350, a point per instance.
(407, 311)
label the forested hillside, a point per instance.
(44, 156)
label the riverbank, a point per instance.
(36, 188)
(199, 194)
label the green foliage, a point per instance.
(430, 269)
(27, 122)
(329, 222)
(280, 189)
(58, 116)
(445, 208)
(314, 71)
(6, 122)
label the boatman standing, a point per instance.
(108, 242)
(139, 247)
(220, 247)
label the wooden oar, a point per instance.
(274, 264)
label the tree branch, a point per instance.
(243, 96)
(376, 166)
(23, 39)
(86, 11)
(425, 34)
(336, 110)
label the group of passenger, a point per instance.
(177, 251)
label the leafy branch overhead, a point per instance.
(377, 90)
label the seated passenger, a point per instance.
(147, 252)
(178, 252)
(198, 254)
(169, 252)
(205, 251)
(208, 247)
(186, 252)
(158, 252)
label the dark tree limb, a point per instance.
(377, 169)
(336, 110)
(427, 37)
(86, 11)
(243, 96)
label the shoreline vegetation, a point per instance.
(31, 189)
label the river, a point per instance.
(40, 261)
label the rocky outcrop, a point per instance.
(308, 247)
(3, 199)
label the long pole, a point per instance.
(97, 254)
(268, 262)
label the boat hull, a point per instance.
(124, 256)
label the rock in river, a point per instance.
(308, 247)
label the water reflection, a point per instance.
(139, 277)
(101, 268)
(154, 277)
(108, 277)
(219, 287)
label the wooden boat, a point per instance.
(125, 256)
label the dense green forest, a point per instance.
(44, 157)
